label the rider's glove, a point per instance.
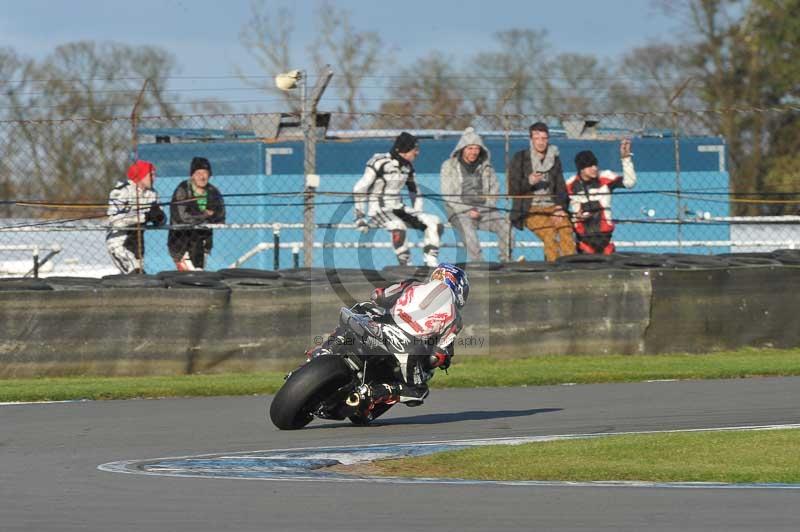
(362, 225)
(361, 221)
(440, 359)
(155, 216)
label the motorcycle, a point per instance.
(368, 351)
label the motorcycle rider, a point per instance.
(420, 322)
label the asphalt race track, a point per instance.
(50, 453)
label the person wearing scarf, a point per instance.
(540, 199)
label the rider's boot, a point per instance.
(383, 393)
(410, 395)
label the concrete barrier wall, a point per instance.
(125, 331)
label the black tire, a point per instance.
(636, 261)
(687, 261)
(194, 274)
(248, 273)
(753, 261)
(305, 275)
(23, 284)
(194, 280)
(74, 283)
(587, 258)
(252, 283)
(790, 257)
(134, 280)
(401, 273)
(353, 274)
(378, 411)
(480, 266)
(529, 266)
(300, 395)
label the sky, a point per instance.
(203, 35)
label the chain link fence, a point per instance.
(55, 176)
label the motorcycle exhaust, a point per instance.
(353, 399)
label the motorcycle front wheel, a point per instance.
(293, 406)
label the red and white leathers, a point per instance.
(593, 232)
(428, 318)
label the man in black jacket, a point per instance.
(195, 201)
(540, 200)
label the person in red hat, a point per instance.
(132, 204)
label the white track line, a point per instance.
(353, 454)
(25, 403)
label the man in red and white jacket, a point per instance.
(590, 199)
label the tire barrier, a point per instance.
(249, 273)
(252, 283)
(135, 280)
(74, 283)
(195, 280)
(13, 285)
(196, 275)
(244, 320)
(528, 266)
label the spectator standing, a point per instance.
(377, 196)
(469, 187)
(132, 204)
(590, 199)
(540, 201)
(195, 201)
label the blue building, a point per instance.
(250, 172)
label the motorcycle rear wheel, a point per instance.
(293, 406)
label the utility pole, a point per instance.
(308, 126)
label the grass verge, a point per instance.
(466, 372)
(764, 456)
(542, 370)
(69, 388)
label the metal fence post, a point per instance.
(276, 247)
(309, 167)
(36, 262)
(676, 136)
(308, 121)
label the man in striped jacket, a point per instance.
(132, 203)
(590, 199)
(377, 196)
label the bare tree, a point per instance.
(505, 81)
(66, 144)
(746, 56)
(354, 56)
(656, 79)
(427, 96)
(266, 37)
(13, 78)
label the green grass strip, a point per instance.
(543, 370)
(466, 372)
(768, 456)
(69, 388)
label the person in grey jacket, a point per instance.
(469, 187)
